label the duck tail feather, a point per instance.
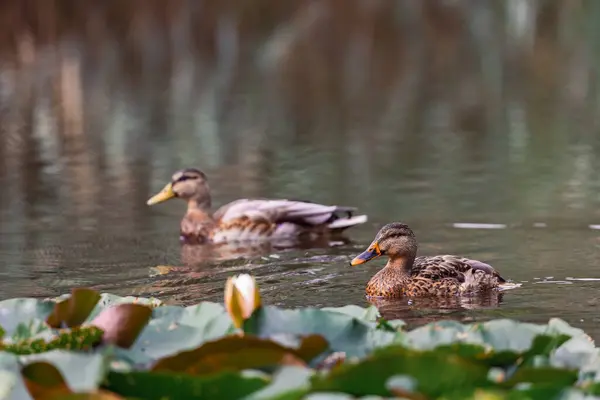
(470, 282)
(344, 223)
(509, 285)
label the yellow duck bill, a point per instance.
(372, 252)
(165, 194)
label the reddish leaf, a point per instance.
(43, 380)
(311, 346)
(74, 310)
(233, 353)
(123, 323)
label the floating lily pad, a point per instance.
(19, 313)
(81, 372)
(369, 376)
(288, 383)
(175, 329)
(343, 332)
(369, 314)
(241, 352)
(345, 352)
(162, 385)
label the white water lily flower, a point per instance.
(241, 298)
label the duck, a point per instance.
(406, 275)
(250, 220)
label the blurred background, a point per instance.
(475, 122)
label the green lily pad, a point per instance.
(24, 312)
(369, 376)
(546, 375)
(173, 329)
(99, 395)
(11, 383)
(108, 300)
(238, 353)
(342, 332)
(498, 359)
(32, 329)
(575, 353)
(288, 383)
(8, 383)
(81, 372)
(210, 318)
(369, 314)
(500, 334)
(162, 385)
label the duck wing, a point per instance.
(450, 266)
(301, 213)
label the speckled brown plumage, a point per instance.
(411, 276)
(250, 219)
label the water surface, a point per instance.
(467, 125)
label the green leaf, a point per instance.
(342, 332)
(211, 318)
(435, 374)
(74, 310)
(288, 383)
(81, 372)
(575, 353)
(22, 311)
(328, 396)
(369, 314)
(108, 300)
(8, 385)
(11, 383)
(123, 323)
(502, 334)
(543, 345)
(30, 329)
(162, 385)
(546, 392)
(238, 353)
(173, 329)
(404, 386)
(545, 375)
(480, 354)
(100, 395)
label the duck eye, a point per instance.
(184, 178)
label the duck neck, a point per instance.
(196, 204)
(401, 264)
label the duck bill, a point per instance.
(367, 255)
(165, 194)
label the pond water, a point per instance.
(487, 151)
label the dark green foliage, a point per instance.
(110, 348)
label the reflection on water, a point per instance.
(439, 114)
(423, 310)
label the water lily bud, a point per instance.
(241, 298)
